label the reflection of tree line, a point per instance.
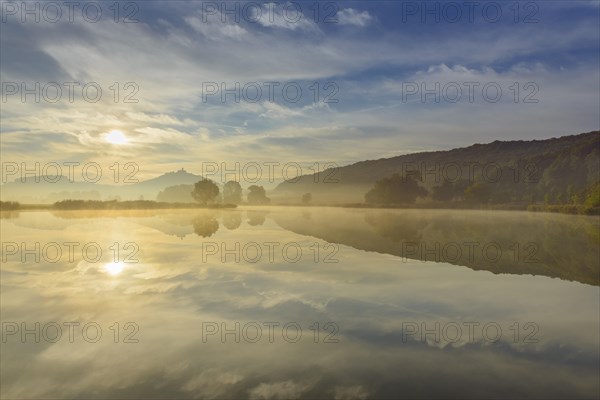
(551, 248)
(207, 225)
(566, 248)
(9, 214)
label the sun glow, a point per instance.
(116, 137)
(114, 268)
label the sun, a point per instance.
(116, 137)
(114, 268)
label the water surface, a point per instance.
(348, 304)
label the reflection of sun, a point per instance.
(116, 137)
(114, 268)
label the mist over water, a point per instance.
(282, 302)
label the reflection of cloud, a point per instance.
(350, 393)
(368, 295)
(278, 390)
(273, 298)
(212, 383)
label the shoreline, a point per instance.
(568, 209)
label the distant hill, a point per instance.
(530, 170)
(157, 184)
(563, 170)
(176, 194)
(51, 189)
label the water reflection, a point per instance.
(205, 225)
(232, 220)
(375, 294)
(559, 246)
(256, 218)
(9, 214)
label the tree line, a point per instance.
(206, 192)
(405, 190)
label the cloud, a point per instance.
(350, 16)
(157, 135)
(288, 16)
(215, 29)
(172, 51)
(276, 111)
(158, 119)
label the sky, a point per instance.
(306, 82)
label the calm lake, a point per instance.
(311, 302)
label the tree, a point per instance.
(444, 192)
(575, 199)
(570, 194)
(9, 205)
(232, 193)
(501, 197)
(306, 198)
(477, 193)
(592, 199)
(547, 199)
(395, 190)
(205, 191)
(176, 194)
(257, 195)
(459, 188)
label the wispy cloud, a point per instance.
(350, 16)
(367, 53)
